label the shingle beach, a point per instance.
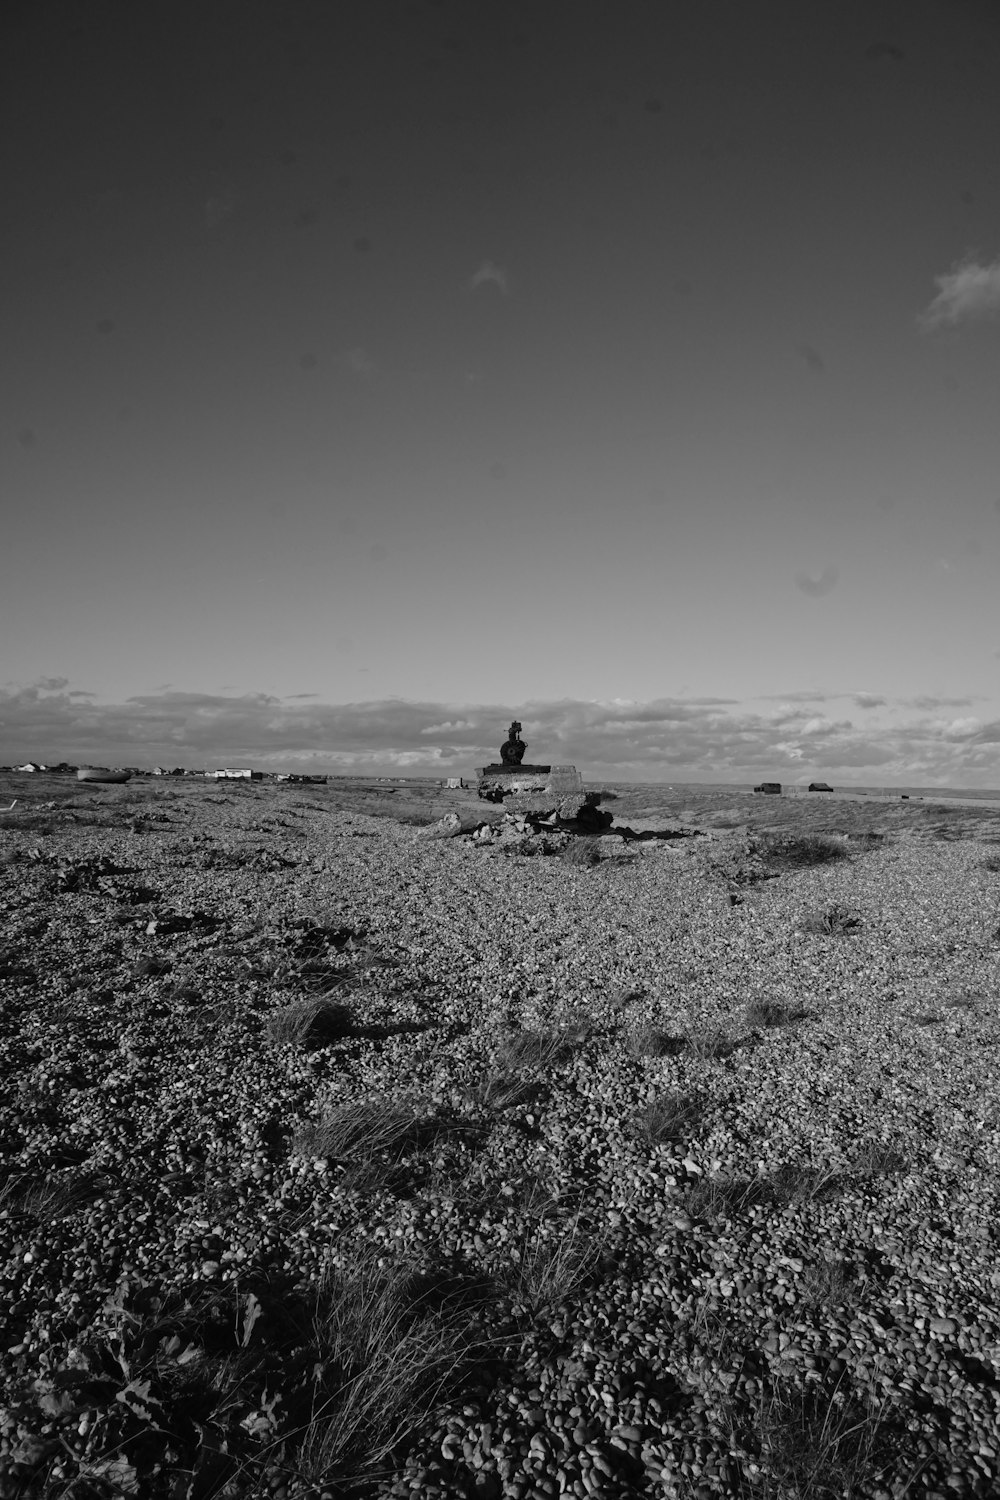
(342, 1160)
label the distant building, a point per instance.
(243, 774)
(29, 766)
(773, 788)
(819, 786)
(454, 782)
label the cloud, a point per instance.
(657, 740)
(867, 700)
(487, 273)
(361, 363)
(817, 587)
(812, 358)
(967, 291)
(220, 205)
(929, 702)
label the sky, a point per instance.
(371, 374)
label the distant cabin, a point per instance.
(771, 787)
(819, 786)
(241, 774)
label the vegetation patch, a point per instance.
(832, 921)
(651, 1041)
(767, 1013)
(671, 1117)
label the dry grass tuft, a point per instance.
(582, 852)
(534, 1049)
(368, 1138)
(650, 1041)
(672, 1117)
(314, 1019)
(555, 1259)
(712, 1046)
(772, 1013)
(826, 1283)
(385, 1361)
(800, 1184)
(822, 1444)
(717, 1199)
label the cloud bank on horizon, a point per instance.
(915, 741)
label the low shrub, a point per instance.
(833, 921)
(802, 850)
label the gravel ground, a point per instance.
(338, 1159)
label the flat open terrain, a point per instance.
(340, 1160)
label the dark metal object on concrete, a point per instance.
(513, 748)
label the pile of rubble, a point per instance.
(527, 816)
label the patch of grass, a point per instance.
(716, 1199)
(802, 850)
(772, 1013)
(534, 1049)
(54, 1197)
(385, 1361)
(833, 921)
(671, 1117)
(582, 852)
(313, 1020)
(801, 1184)
(368, 1138)
(499, 1091)
(826, 1283)
(650, 1041)
(867, 839)
(555, 1260)
(712, 1046)
(878, 1159)
(824, 1444)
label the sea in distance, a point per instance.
(791, 789)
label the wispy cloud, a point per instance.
(360, 362)
(929, 702)
(487, 273)
(220, 205)
(812, 358)
(665, 739)
(967, 292)
(817, 587)
(867, 700)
